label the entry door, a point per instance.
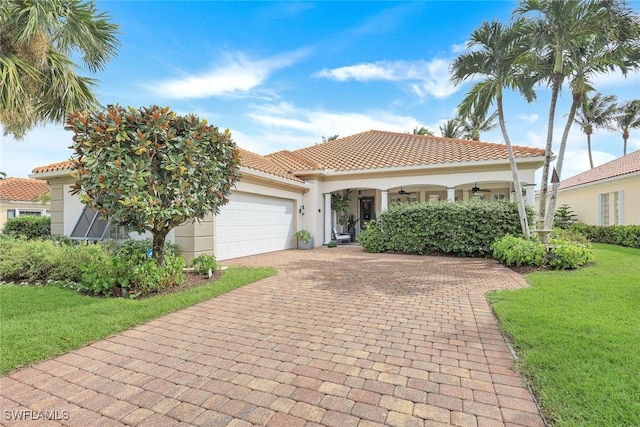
(367, 212)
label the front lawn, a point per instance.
(37, 323)
(578, 336)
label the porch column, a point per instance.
(327, 218)
(531, 194)
(384, 200)
(451, 194)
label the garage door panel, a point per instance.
(251, 224)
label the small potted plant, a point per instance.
(305, 241)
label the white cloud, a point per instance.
(237, 75)
(286, 126)
(360, 72)
(41, 146)
(531, 118)
(424, 77)
(615, 80)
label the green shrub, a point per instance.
(137, 275)
(518, 251)
(564, 217)
(464, 229)
(40, 261)
(203, 263)
(372, 239)
(621, 235)
(568, 255)
(332, 244)
(27, 260)
(73, 257)
(570, 234)
(28, 227)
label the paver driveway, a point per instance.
(338, 337)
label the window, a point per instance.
(91, 226)
(611, 208)
(499, 197)
(14, 213)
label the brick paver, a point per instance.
(338, 337)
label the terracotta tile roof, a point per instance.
(247, 159)
(379, 149)
(22, 189)
(368, 150)
(293, 161)
(618, 167)
(264, 164)
(60, 166)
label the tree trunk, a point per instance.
(159, 237)
(589, 149)
(625, 137)
(577, 99)
(522, 211)
(555, 89)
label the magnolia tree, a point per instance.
(150, 169)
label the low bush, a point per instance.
(517, 251)
(28, 227)
(137, 275)
(568, 255)
(39, 261)
(560, 254)
(621, 235)
(464, 229)
(372, 239)
(203, 263)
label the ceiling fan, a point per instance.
(402, 191)
(477, 189)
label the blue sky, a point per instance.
(282, 75)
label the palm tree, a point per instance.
(422, 131)
(477, 122)
(494, 54)
(39, 80)
(451, 129)
(576, 40)
(628, 118)
(596, 112)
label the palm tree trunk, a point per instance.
(577, 99)
(555, 89)
(522, 211)
(589, 149)
(625, 137)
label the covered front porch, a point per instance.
(365, 204)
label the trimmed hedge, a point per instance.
(465, 229)
(621, 235)
(28, 227)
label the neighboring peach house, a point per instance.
(608, 194)
(22, 196)
(286, 191)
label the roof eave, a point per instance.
(519, 160)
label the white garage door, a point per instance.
(251, 224)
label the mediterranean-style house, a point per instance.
(286, 191)
(21, 197)
(608, 194)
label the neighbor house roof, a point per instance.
(618, 167)
(379, 149)
(22, 189)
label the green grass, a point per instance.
(37, 323)
(578, 335)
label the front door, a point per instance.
(366, 211)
